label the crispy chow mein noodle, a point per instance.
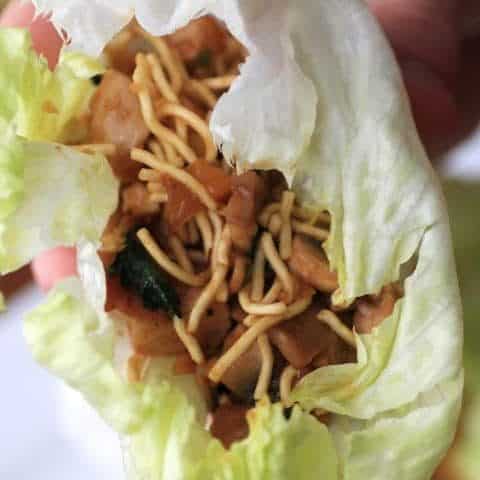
(226, 271)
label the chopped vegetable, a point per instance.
(140, 274)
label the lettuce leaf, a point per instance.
(66, 196)
(400, 443)
(50, 194)
(321, 98)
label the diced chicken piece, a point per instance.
(241, 378)
(136, 200)
(372, 310)
(214, 325)
(336, 354)
(229, 424)
(151, 332)
(117, 119)
(154, 336)
(248, 197)
(303, 338)
(310, 264)
(202, 36)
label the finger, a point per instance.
(423, 30)
(468, 96)
(434, 107)
(425, 37)
(46, 40)
(53, 265)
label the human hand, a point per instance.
(439, 62)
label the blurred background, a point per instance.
(49, 432)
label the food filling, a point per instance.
(224, 271)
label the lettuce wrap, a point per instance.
(320, 99)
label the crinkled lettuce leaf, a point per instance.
(399, 444)
(50, 194)
(66, 196)
(321, 98)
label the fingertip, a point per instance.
(53, 265)
(433, 105)
(46, 39)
